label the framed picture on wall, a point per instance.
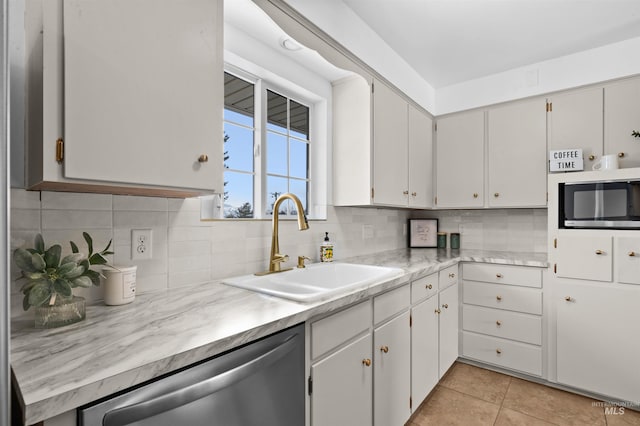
(423, 233)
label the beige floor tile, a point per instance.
(484, 384)
(447, 407)
(629, 418)
(552, 405)
(507, 417)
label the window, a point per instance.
(254, 181)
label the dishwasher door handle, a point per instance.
(132, 413)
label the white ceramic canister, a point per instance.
(119, 284)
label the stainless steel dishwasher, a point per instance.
(261, 383)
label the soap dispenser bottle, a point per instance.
(326, 249)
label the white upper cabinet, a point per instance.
(517, 154)
(460, 160)
(390, 147)
(134, 88)
(621, 117)
(575, 121)
(420, 159)
(382, 147)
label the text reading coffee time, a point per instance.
(565, 160)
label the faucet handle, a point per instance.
(277, 258)
(301, 260)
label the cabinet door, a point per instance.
(392, 380)
(448, 328)
(586, 257)
(140, 107)
(575, 121)
(621, 116)
(420, 159)
(627, 260)
(517, 141)
(597, 338)
(390, 153)
(342, 385)
(424, 350)
(460, 160)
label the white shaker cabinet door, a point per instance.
(597, 338)
(621, 117)
(575, 121)
(424, 350)
(460, 160)
(585, 257)
(143, 92)
(448, 328)
(390, 152)
(420, 159)
(517, 144)
(627, 260)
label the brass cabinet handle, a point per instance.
(498, 298)
(592, 157)
(498, 275)
(568, 298)
(415, 194)
(621, 154)
(498, 323)
(452, 275)
(428, 286)
(497, 194)
(446, 306)
(203, 158)
(437, 311)
(384, 349)
(475, 195)
(598, 252)
(405, 192)
(366, 362)
(631, 253)
(498, 351)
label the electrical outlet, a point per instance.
(141, 243)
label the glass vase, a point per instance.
(63, 312)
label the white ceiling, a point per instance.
(450, 41)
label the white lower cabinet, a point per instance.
(448, 328)
(502, 316)
(424, 349)
(597, 328)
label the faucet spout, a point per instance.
(275, 257)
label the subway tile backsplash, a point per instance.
(188, 251)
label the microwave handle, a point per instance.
(145, 409)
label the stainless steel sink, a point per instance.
(319, 281)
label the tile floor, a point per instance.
(470, 396)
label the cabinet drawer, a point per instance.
(336, 329)
(387, 305)
(448, 276)
(503, 274)
(424, 287)
(520, 299)
(502, 352)
(524, 328)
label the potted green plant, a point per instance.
(50, 280)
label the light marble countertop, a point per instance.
(117, 347)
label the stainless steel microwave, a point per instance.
(600, 205)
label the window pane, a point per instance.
(299, 159)
(276, 154)
(238, 100)
(276, 186)
(238, 195)
(299, 188)
(299, 118)
(276, 112)
(238, 148)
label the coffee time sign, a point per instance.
(566, 160)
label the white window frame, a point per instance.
(318, 141)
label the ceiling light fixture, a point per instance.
(290, 44)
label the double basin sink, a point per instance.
(316, 282)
